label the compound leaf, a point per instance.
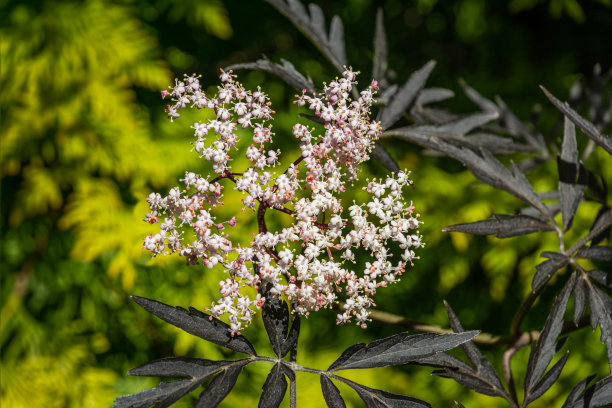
(598, 253)
(197, 323)
(599, 395)
(374, 398)
(601, 312)
(547, 381)
(546, 269)
(569, 188)
(286, 72)
(275, 314)
(179, 367)
(162, 396)
(219, 387)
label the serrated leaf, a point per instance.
(405, 97)
(602, 223)
(517, 128)
(381, 399)
(336, 39)
(380, 49)
(399, 349)
(597, 253)
(470, 380)
(546, 269)
(179, 367)
(503, 226)
(275, 314)
(547, 381)
(332, 396)
(219, 387)
(197, 323)
(579, 299)
(587, 127)
(292, 337)
(274, 388)
(542, 353)
(162, 396)
(571, 192)
(317, 18)
(286, 72)
(442, 360)
(577, 391)
(432, 95)
(466, 124)
(382, 155)
(478, 360)
(601, 312)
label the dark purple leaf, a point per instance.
(379, 69)
(546, 269)
(577, 391)
(483, 367)
(381, 399)
(382, 155)
(399, 349)
(495, 144)
(466, 124)
(587, 127)
(542, 353)
(442, 360)
(432, 95)
(517, 128)
(274, 388)
(571, 191)
(162, 396)
(313, 28)
(602, 223)
(179, 367)
(547, 381)
(601, 312)
(405, 97)
(598, 395)
(197, 323)
(346, 354)
(601, 277)
(482, 102)
(579, 299)
(275, 314)
(219, 387)
(606, 232)
(288, 370)
(286, 72)
(315, 119)
(598, 253)
(336, 39)
(469, 379)
(292, 337)
(503, 226)
(331, 393)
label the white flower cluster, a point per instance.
(318, 256)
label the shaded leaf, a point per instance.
(598, 253)
(579, 299)
(470, 380)
(442, 360)
(179, 367)
(313, 28)
(517, 128)
(601, 312)
(197, 323)
(601, 277)
(546, 269)
(292, 337)
(599, 395)
(577, 391)
(482, 102)
(382, 155)
(331, 393)
(405, 97)
(275, 314)
(571, 192)
(547, 381)
(602, 223)
(431, 95)
(162, 396)
(542, 353)
(587, 127)
(503, 226)
(380, 50)
(381, 399)
(274, 388)
(286, 72)
(219, 387)
(478, 360)
(399, 349)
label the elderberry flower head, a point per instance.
(332, 251)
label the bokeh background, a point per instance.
(84, 140)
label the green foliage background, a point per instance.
(84, 140)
